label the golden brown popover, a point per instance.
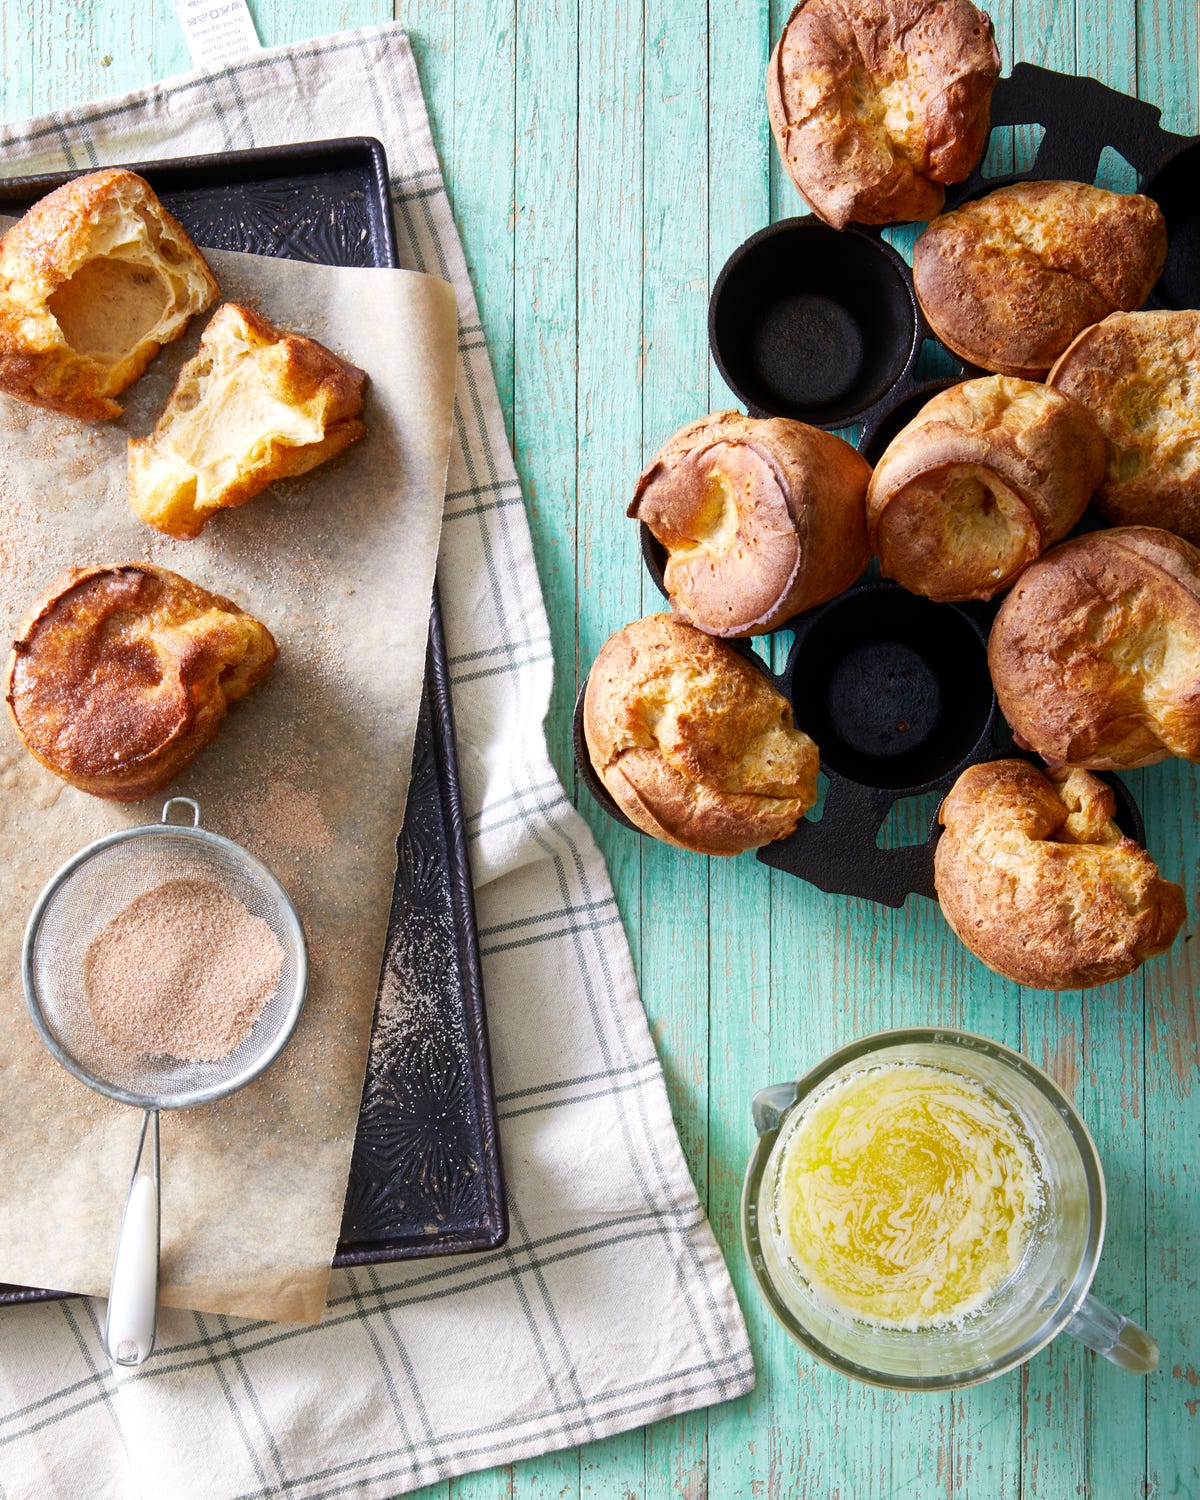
(121, 674)
(1009, 280)
(94, 279)
(1095, 654)
(694, 744)
(1138, 374)
(876, 104)
(980, 482)
(254, 404)
(1039, 882)
(760, 519)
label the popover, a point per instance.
(876, 104)
(1138, 374)
(254, 404)
(985, 477)
(94, 279)
(693, 742)
(760, 518)
(1008, 280)
(1095, 654)
(1037, 880)
(121, 674)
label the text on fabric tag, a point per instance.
(217, 31)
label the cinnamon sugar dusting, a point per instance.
(290, 816)
(182, 971)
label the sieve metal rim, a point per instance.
(290, 921)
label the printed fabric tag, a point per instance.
(217, 31)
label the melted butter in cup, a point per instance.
(905, 1195)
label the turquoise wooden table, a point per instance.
(603, 160)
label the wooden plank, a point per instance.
(675, 909)
(1172, 1116)
(609, 229)
(1167, 74)
(738, 156)
(545, 329)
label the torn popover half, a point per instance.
(254, 404)
(94, 279)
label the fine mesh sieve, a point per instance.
(80, 900)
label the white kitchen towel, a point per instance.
(610, 1306)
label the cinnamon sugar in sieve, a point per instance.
(182, 971)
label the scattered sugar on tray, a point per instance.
(182, 971)
(417, 1006)
(289, 816)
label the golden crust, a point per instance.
(875, 104)
(1138, 373)
(1037, 880)
(1009, 280)
(121, 674)
(254, 404)
(760, 519)
(985, 477)
(1095, 654)
(94, 279)
(693, 742)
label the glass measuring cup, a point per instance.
(1048, 1294)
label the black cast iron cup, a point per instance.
(1175, 187)
(813, 323)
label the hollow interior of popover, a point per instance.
(109, 306)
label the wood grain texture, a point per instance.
(603, 161)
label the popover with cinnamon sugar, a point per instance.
(1037, 880)
(760, 518)
(1095, 654)
(985, 477)
(121, 674)
(693, 742)
(876, 104)
(94, 279)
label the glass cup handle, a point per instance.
(1114, 1336)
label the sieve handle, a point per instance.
(133, 1295)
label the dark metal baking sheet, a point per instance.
(426, 1177)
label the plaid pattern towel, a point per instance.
(610, 1306)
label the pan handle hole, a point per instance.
(908, 821)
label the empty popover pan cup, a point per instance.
(893, 688)
(1175, 187)
(813, 323)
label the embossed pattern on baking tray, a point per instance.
(425, 1177)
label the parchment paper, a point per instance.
(310, 772)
